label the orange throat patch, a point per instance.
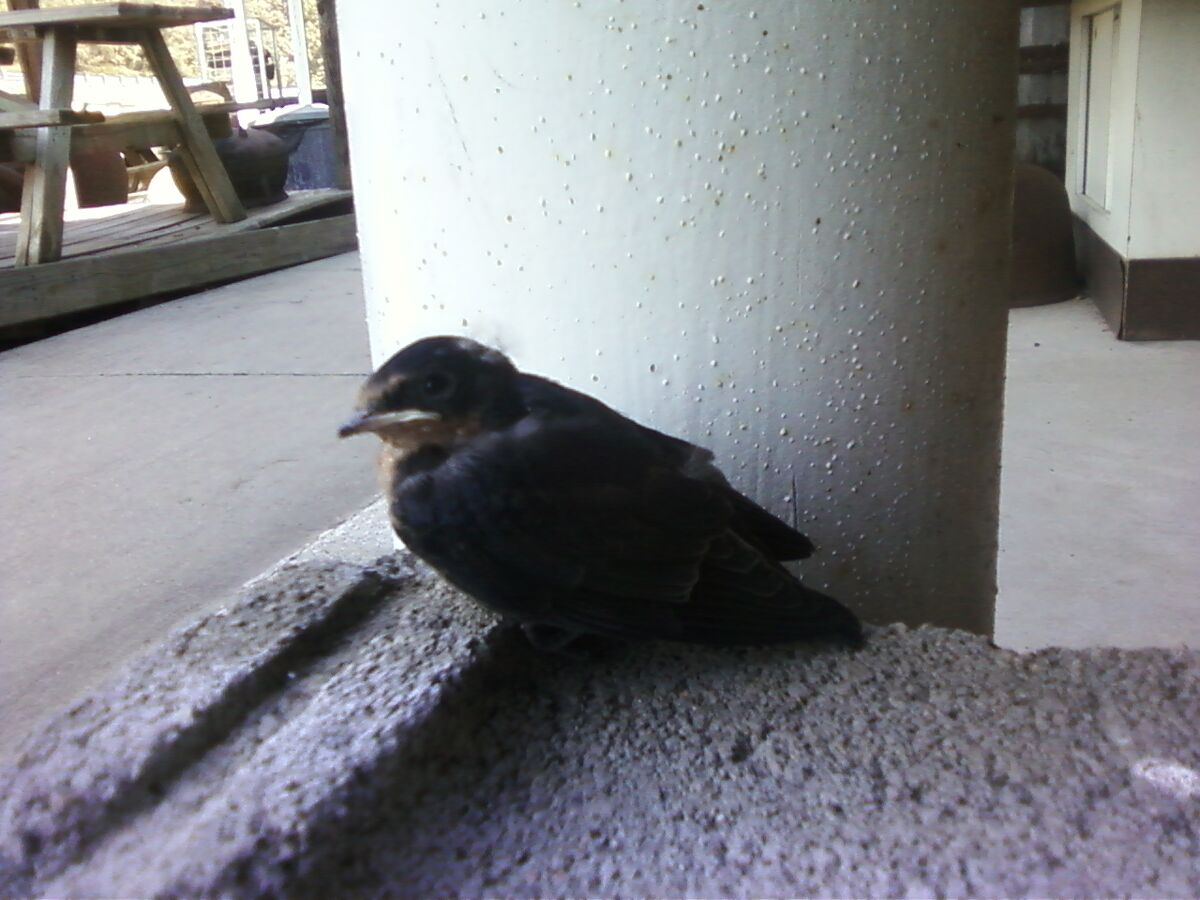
(401, 441)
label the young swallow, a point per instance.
(561, 514)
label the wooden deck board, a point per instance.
(102, 236)
(93, 231)
(125, 253)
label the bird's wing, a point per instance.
(772, 535)
(578, 523)
(581, 509)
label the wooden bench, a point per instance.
(133, 134)
(38, 118)
(57, 31)
(93, 131)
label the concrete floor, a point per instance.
(155, 462)
(1099, 529)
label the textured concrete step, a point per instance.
(364, 730)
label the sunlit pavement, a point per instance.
(1100, 491)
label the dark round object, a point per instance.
(1043, 260)
(257, 163)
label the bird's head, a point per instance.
(437, 390)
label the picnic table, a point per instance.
(57, 128)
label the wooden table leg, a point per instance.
(29, 54)
(197, 150)
(40, 237)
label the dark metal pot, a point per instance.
(257, 163)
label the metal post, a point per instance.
(245, 87)
(300, 50)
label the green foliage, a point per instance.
(273, 13)
(120, 59)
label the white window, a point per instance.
(1100, 43)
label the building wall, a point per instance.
(1140, 243)
(1164, 215)
(1109, 221)
(1154, 135)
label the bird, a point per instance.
(564, 516)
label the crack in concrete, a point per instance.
(453, 115)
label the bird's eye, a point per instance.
(436, 384)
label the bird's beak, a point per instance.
(364, 421)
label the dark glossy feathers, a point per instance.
(572, 516)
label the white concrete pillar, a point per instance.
(777, 229)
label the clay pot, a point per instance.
(12, 178)
(100, 180)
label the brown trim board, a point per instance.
(1141, 299)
